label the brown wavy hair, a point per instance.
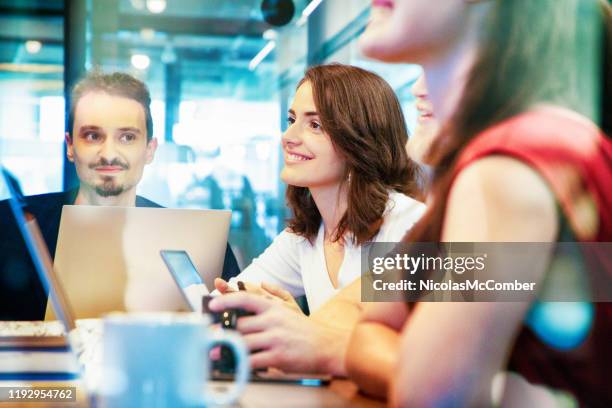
(364, 120)
(532, 52)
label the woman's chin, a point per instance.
(290, 179)
(369, 42)
(372, 45)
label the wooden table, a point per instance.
(340, 393)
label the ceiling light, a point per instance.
(147, 34)
(140, 61)
(156, 6)
(311, 7)
(267, 49)
(270, 34)
(137, 4)
(308, 11)
(33, 47)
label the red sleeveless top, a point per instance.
(575, 158)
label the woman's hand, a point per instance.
(223, 287)
(265, 289)
(280, 337)
(281, 294)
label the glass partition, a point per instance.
(31, 93)
(220, 78)
(221, 81)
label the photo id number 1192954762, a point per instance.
(41, 394)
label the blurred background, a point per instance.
(221, 79)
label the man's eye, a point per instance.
(128, 137)
(92, 136)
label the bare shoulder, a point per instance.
(500, 198)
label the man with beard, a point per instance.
(110, 140)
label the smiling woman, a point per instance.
(310, 157)
(349, 181)
(350, 122)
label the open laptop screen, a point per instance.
(38, 251)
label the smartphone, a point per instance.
(186, 276)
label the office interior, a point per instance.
(221, 80)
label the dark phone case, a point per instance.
(228, 320)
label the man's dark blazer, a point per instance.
(22, 295)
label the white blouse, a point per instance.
(298, 266)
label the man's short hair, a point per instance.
(118, 84)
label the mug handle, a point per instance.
(235, 342)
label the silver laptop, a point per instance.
(43, 264)
(108, 257)
(184, 271)
(39, 252)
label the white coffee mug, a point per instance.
(161, 360)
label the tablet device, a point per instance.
(186, 277)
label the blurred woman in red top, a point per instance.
(519, 87)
